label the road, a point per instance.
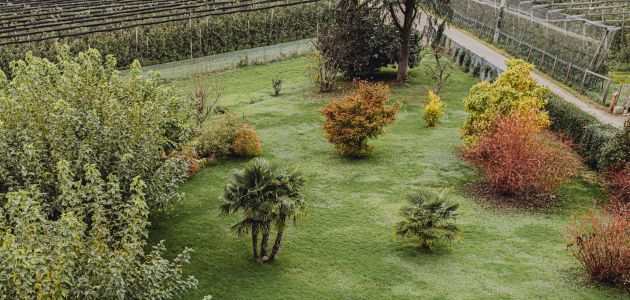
(499, 60)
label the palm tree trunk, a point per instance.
(277, 245)
(255, 241)
(264, 244)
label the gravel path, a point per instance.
(499, 60)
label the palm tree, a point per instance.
(427, 218)
(292, 206)
(260, 191)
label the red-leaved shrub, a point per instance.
(618, 183)
(519, 155)
(601, 242)
(189, 154)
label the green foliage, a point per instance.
(228, 135)
(433, 110)
(172, 41)
(514, 91)
(78, 110)
(428, 219)
(584, 130)
(276, 83)
(467, 61)
(616, 153)
(267, 195)
(70, 257)
(363, 43)
(81, 166)
(594, 140)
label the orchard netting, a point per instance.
(562, 38)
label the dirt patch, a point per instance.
(529, 202)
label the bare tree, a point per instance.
(441, 73)
(204, 96)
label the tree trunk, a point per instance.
(276, 246)
(497, 29)
(264, 244)
(409, 14)
(255, 241)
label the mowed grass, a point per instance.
(345, 248)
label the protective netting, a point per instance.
(224, 61)
(569, 48)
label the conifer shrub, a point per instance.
(358, 117)
(600, 240)
(520, 156)
(433, 111)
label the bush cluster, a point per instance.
(520, 156)
(601, 242)
(357, 117)
(618, 182)
(83, 161)
(512, 92)
(226, 136)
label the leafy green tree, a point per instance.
(428, 218)
(267, 195)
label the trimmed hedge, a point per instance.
(590, 135)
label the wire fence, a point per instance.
(567, 49)
(219, 62)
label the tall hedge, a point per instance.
(590, 135)
(171, 41)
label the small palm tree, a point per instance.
(266, 195)
(428, 218)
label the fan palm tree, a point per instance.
(428, 218)
(290, 207)
(260, 191)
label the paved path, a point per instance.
(499, 60)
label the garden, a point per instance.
(383, 164)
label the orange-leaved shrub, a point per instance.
(246, 143)
(618, 183)
(601, 242)
(357, 117)
(519, 155)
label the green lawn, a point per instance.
(345, 249)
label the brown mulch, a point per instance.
(529, 202)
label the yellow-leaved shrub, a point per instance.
(513, 91)
(434, 110)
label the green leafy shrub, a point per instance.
(246, 143)
(433, 110)
(616, 153)
(357, 117)
(227, 136)
(594, 139)
(83, 160)
(276, 84)
(268, 197)
(514, 91)
(428, 219)
(587, 133)
(467, 62)
(476, 70)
